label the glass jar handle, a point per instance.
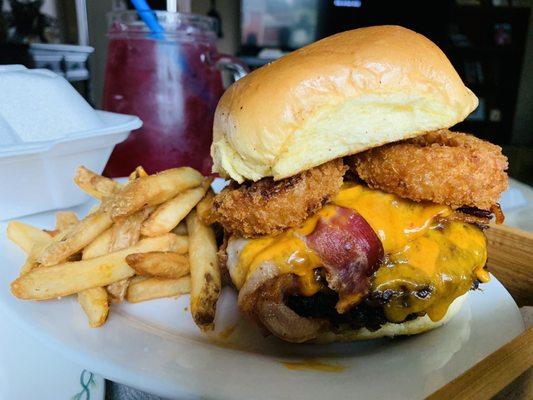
(238, 68)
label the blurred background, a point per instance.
(490, 43)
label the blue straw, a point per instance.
(148, 16)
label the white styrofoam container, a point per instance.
(39, 178)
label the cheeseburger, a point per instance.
(352, 211)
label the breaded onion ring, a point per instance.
(443, 167)
(268, 207)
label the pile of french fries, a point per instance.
(143, 241)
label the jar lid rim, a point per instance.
(171, 22)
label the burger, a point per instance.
(352, 211)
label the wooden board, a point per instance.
(506, 373)
(492, 374)
(511, 261)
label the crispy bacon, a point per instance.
(476, 212)
(351, 252)
(468, 218)
(473, 215)
(498, 213)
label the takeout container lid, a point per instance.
(112, 123)
(39, 106)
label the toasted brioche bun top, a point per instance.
(339, 96)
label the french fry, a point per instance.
(30, 239)
(168, 265)
(181, 229)
(94, 209)
(28, 265)
(140, 227)
(169, 214)
(73, 277)
(95, 301)
(125, 233)
(99, 246)
(203, 208)
(117, 290)
(95, 185)
(156, 288)
(138, 173)
(137, 279)
(26, 236)
(75, 238)
(151, 190)
(205, 271)
(65, 219)
(95, 304)
(181, 244)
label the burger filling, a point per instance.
(365, 259)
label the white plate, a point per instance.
(155, 346)
(29, 370)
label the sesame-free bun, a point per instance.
(341, 95)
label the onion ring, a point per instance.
(268, 207)
(442, 167)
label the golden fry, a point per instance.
(151, 190)
(205, 271)
(156, 288)
(205, 205)
(30, 239)
(73, 277)
(117, 290)
(140, 227)
(26, 236)
(181, 229)
(65, 219)
(137, 279)
(126, 231)
(138, 173)
(169, 214)
(95, 304)
(181, 244)
(75, 238)
(95, 185)
(99, 246)
(168, 264)
(28, 265)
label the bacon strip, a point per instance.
(351, 252)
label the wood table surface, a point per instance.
(506, 373)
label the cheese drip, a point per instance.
(430, 262)
(432, 271)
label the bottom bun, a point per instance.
(413, 327)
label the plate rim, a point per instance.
(37, 362)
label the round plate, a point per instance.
(154, 346)
(30, 370)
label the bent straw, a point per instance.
(148, 16)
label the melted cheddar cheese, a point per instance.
(428, 263)
(287, 251)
